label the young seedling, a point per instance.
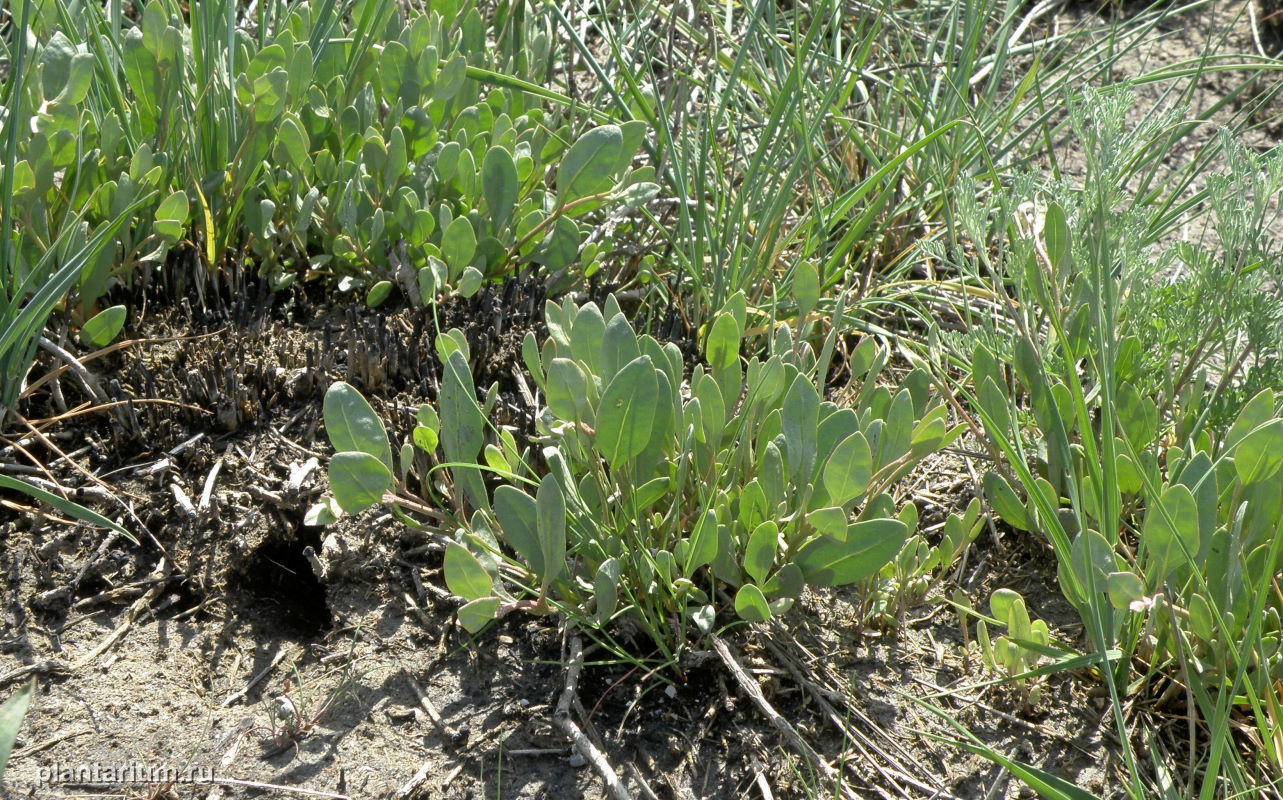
(1011, 653)
(294, 714)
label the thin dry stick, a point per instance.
(894, 769)
(162, 571)
(614, 787)
(47, 442)
(754, 692)
(51, 667)
(279, 788)
(232, 698)
(414, 786)
(86, 378)
(234, 741)
(46, 744)
(429, 708)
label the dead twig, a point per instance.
(254, 681)
(86, 378)
(451, 737)
(46, 744)
(279, 788)
(163, 571)
(415, 786)
(786, 729)
(561, 717)
(895, 771)
(49, 667)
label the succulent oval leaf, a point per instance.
(550, 514)
(626, 412)
(869, 546)
(846, 474)
(606, 585)
(1259, 455)
(518, 525)
(499, 186)
(760, 551)
(477, 614)
(103, 327)
(351, 423)
(589, 164)
(464, 574)
(358, 480)
(458, 244)
(1005, 501)
(751, 605)
(1170, 532)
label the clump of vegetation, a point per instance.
(654, 491)
(861, 220)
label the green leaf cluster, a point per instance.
(374, 150)
(663, 487)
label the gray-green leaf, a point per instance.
(464, 574)
(105, 326)
(358, 480)
(550, 508)
(586, 168)
(626, 413)
(352, 424)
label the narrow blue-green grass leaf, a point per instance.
(103, 327)
(11, 714)
(64, 505)
(626, 413)
(351, 424)
(464, 574)
(1044, 783)
(358, 480)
